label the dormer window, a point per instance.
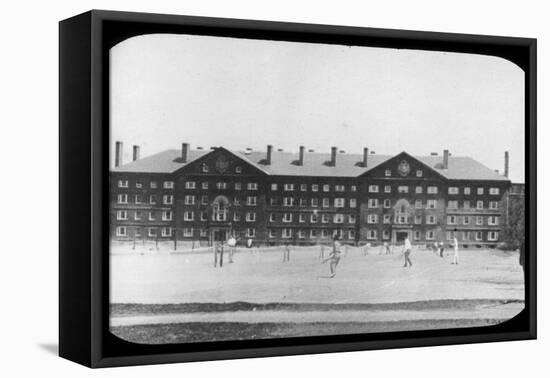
(205, 168)
(419, 173)
(388, 173)
(238, 169)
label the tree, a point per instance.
(514, 230)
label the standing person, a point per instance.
(286, 252)
(334, 256)
(455, 247)
(249, 244)
(387, 250)
(407, 248)
(441, 249)
(231, 243)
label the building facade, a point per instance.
(277, 197)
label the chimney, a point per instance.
(118, 154)
(433, 153)
(365, 156)
(506, 163)
(135, 154)
(301, 157)
(333, 156)
(445, 159)
(269, 153)
(184, 152)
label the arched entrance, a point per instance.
(403, 213)
(219, 225)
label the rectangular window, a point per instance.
(402, 189)
(121, 231)
(238, 186)
(252, 186)
(418, 190)
(273, 201)
(418, 219)
(466, 220)
(314, 202)
(432, 204)
(288, 201)
(353, 188)
(419, 173)
(203, 233)
(190, 185)
(416, 235)
(289, 187)
(339, 202)
(338, 218)
(122, 198)
(451, 219)
(272, 217)
(430, 235)
(373, 188)
(303, 187)
(303, 202)
(189, 200)
(287, 217)
(238, 169)
(152, 199)
(453, 190)
(466, 235)
(326, 202)
(326, 188)
(204, 185)
(204, 216)
(273, 187)
(467, 191)
(418, 204)
(168, 199)
(479, 235)
(493, 220)
(236, 201)
(236, 217)
(493, 205)
(302, 218)
(388, 173)
(430, 219)
(386, 234)
(139, 198)
(373, 203)
(480, 190)
(153, 184)
(122, 183)
(152, 232)
(204, 200)
(121, 215)
(166, 215)
(313, 218)
(250, 217)
(387, 189)
(387, 203)
(466, 204)
(188, 232)
(324, 233)
(492, 236)
(137, 215)
(352, 203)
(166, 232)
(371, 234)
(351, 234)
(313, 234)
(314, 188)
(287, 233)
(479, 220)
(452, 204)
(372, 218)
(168, 184)
(188, 215)
(272, 233)
(221, 185)
(251, 201)
(250, 232)
(301, 234)
(339, 188)
(352, 219)
(494, 191)
(479, 205)
(205, 168)
(432, 189)
(325, 218)
(139, 184)
(387, 218)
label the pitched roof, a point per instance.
(315, 164)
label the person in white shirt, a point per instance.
(231, 243)
(407, 248)
(455, 247)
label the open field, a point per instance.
(180, 297)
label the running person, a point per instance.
(334, 256)
(407, 248)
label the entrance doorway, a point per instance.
(399, 236)
(219, 235)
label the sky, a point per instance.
(240, 93)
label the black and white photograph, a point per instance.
(269, 189)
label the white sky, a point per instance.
(211, 91)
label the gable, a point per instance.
(403, 166)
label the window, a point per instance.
(419, 173)
(313, 218)
(479, 235)
(352, 203)
(432, 204)
(272, 217)
(237, 186)
(250, 217)
(339, 188)
(166, 232)
(326, 202)
(314, 202)
(466, 220)
(137, 215)
(221, 185)
(387, 189)
(387, 203)
(168, 199)
(188, 232)
(139, 198)
(236, 217)
(237, 201)
(203, 233)
(250, 232)
(492, 236)
(416, 235)
(371, 234)
(190, 185)
(338, 218)
(238, 169)
(139, 185)
(339, 202)
(314, 188)
(480, 191)
(152, 199)
(373, 188)
(372, 218)
(273, 187)
(466, 235)
(122, 198)
(451, 219)
(272, 233)
(288, 201)
(287, 217)
(467, 190)
(303, 202)
(453, 190)
(418, 190)
(493, 220)
(326, 188)
(353, 188)
(121, 215)
(430, 219)
(430, 235)
(479, 220)
(387, 173)
(121, 231)
(153, 184)
(204, 216)
(417, 219)
(189, 200)
(301, 234)
(325, 218)
(479, 205)
(204, 200)
(252, 186)
(351, 234)
(205, 185)
(287, 233)
(303, 187)
(402, 189)
(273, 201)
(466, 204)
(166, 215)
(373, 203)
(205, 168)
(289, 187)
(324, 233)
(386, 234)
(313, 234)
(418, 204)
(122, 183)
(493, 205)
(352, 219)
(188, 215)
(452, 204)
(432, 189)
(251, 201)
(168, 184)
(152, 232)
(494, 191)
(302, 218)
(387, 218)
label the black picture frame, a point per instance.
(84, 167)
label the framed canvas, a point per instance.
(234, 188)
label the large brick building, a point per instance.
(277, 197)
